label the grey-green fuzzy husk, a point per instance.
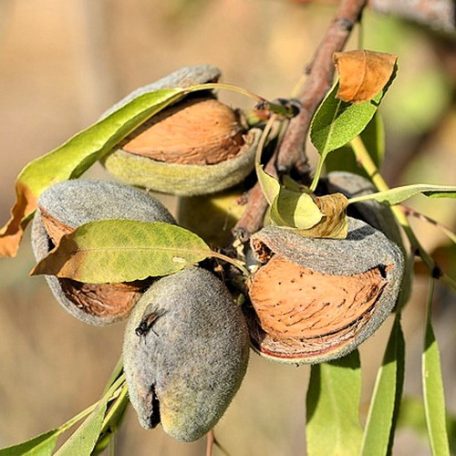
(364, 248)
(193, 357)
(76, 202)
(183, 77)
(180, 179)
(372, 212)
(377, 215)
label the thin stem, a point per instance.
(210, 439)
(363, 157)
(273, 107)
(236, 263)
(264, 138)
(116, 372)
(409, 212)
(318, 171)
(229, 87)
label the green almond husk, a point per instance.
(184, 180)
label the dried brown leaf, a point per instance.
(362, 74)
(334, 222)
(11, 234)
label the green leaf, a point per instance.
(112, 420)
(412, 416)
(333, 398)
(373, 136)
(270, 185)
(399, 194)
(336, 122)
(295, 209)
(433, 393)
(291, 184)
(75, 156)
(42, 445)
(113, 251)
(82, 150)
(384, 407)
(83, 441)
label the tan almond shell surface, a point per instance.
(342, 291)
(184, 180)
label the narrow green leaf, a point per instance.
(72, 158)
(75, 156)
(333, 397)
(399, 194)
(42, 445)
(83, 441)
(295, 209)
(270, 185)
(112, 420)
(336, 122)
(373, 137)
(113, 251)
(412, 415)
(433, 393)
(380, 426)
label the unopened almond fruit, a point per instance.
(185, 353)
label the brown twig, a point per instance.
(212, 441)
(320, 74)
(252, 219)
(319, 78)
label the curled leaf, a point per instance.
(269, 184)
(295, 209)
(334, 223)
(363, 74)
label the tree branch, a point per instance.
(320, 76)
(319, 73)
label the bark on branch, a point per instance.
(319, 73)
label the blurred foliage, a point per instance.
(63, 63)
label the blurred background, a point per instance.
(63, 63)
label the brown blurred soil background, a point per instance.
(63, 62)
